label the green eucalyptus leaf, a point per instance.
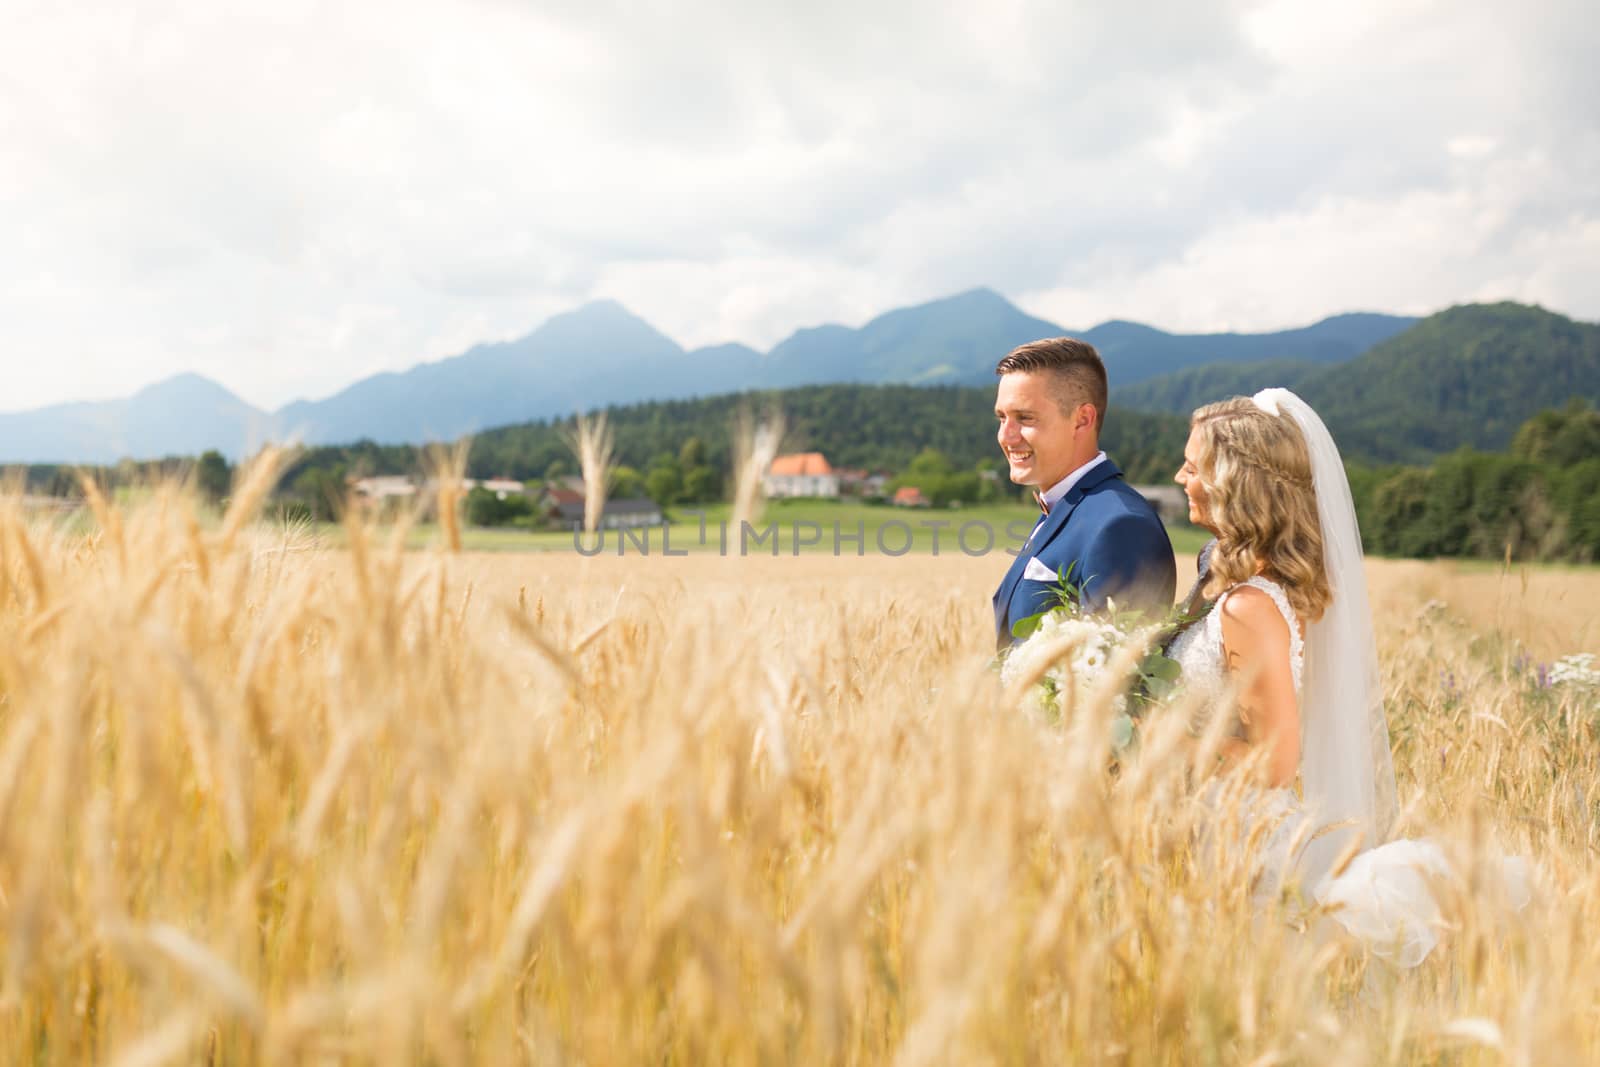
(1023, 628)
(1121, 732)
(1159, 688)
(1159, 666)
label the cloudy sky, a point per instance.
(286, 196)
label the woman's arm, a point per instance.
(1255, 643)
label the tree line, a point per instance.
(681, 451)
(873, 427)
(1540, 500)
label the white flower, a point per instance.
(1575, 670)
(1073, 677)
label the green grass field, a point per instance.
(820, 526)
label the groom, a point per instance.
(1051, 405)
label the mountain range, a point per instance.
(601, 355)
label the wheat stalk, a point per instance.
(592, 443)
(447, 467)
(357, 804)
(755, 446)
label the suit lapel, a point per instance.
(1046, 532)
(1063, 509)
(1008, 584)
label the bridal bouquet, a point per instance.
(1069, 651)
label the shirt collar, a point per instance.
(1064, 486)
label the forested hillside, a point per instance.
(1539, 499)
(877, 427)
(1182, 391)
(1466, 377)
(1469, 376)
(880, 427)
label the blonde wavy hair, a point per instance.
(1256, 472)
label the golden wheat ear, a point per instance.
(755, 446)
(447, 468)
(592, 443)
(254, 483)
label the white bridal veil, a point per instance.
(1345, 766)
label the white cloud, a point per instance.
(286, 197)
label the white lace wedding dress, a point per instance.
(1382, 896)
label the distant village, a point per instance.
(558, 503)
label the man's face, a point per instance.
(1039, 439)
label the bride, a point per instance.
(1291, 628)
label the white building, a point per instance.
(500, 487)
(801, 474)
(384, 487)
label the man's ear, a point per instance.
(1083, 418)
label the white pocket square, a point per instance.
(1038, 572)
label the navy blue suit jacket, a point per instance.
(1115, 543)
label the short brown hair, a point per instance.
(1074, 364)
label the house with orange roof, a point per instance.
(909, 496)
(801, 474)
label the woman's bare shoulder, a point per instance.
(1251, 613)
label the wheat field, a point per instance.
(266, 802)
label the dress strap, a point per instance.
(1297, 654)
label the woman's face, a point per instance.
(1188, 476)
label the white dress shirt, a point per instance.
(1053, 495)
(1064, 486)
